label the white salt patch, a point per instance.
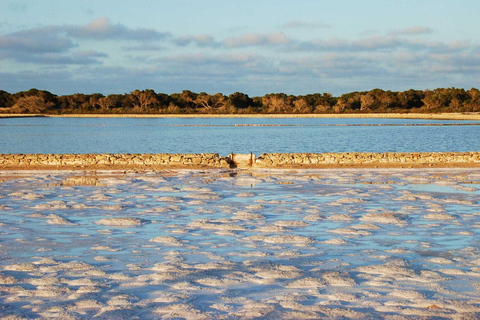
(104, 248)
(21, 267)
(387, 270)
(87, 304)
(246, 181)
(32, 196)
(7, 279)
(169, 297)
(398, 251)
(340, 217)
(196, 203)
(383, 217)
(440, 260)
(242, 215)
(121, 300)
(280, 239)
(277, 272)
(204, 196)
(197, 189)
(167, 189)
(407, 294)
(254, 207)
(169, 199)
(342, 297)
(59, 220)
(366, 226)
(438, 216)
(291, 223)
(121, 222)
(181, 311)
(36, 215)
(100, 197)
(313, 217)
(350, 200)
(338, 279)
(52, 205)
(464, 233)
(113, 207)
(81, 206)
(213, 225)
(337, 242)
(168, 240)
(218, 282)
(307, 283)
(351, 232)
(245, 194)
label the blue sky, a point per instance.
(255, 47)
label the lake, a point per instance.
(238, 135)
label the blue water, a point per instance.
(226, 135)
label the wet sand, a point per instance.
(223, 244)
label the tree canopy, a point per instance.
(147, 101)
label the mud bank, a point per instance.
(246, 161)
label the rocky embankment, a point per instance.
(111, 161)
(213, 160)
(368, 159)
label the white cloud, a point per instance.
(52, 44)
(258, 39)
(412, 31)
(305, 25)
(199, 40)
(103, 29)
(39, 40)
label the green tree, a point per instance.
(240, 100)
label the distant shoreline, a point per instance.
(427, 116)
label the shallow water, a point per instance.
(238, 135)
(223, 244)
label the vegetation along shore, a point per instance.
(412, 103)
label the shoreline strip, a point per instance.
(427, 116)
(247, 161)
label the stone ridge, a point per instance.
(213, 160)
(387, 159)
(112, 161)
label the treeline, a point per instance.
(36, 101)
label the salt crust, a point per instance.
(438, 216)
(59, 220)
(351, 232)
(295, 239)
(167, 240)
(340, 217)
(75, 287)
(337, 242)
(384, 217)
(121, 222)
(291, 223)
(338, 279)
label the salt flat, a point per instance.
(203, 244)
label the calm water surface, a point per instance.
(239, 135)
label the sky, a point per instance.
(255, 47)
